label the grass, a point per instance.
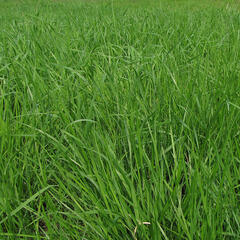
(113, 114)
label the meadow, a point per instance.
(119, 120)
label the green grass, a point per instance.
(117, 113)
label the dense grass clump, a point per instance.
(114, 114)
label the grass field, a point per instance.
(119, 120)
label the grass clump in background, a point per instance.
(114, 114)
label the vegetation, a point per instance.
(119, 120)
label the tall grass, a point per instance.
(114, 114)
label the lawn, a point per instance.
(119, 120)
